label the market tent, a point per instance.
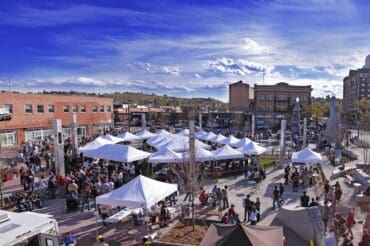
(184, 132)
(155, 141)
(140, 192)
(201, 134)
(239, 234)
(227, 153)
(128, 137)
(230, 140)
(241, 143)
(117, 152)
(98, 142)
(216, 139)
(112, 139)
(145, 134)
(306, 156)
(209, 136)
(201, 155)
(182, 144)
(165, 155)
(161, 132)
(252, 149)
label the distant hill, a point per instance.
(153, 100)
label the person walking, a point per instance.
(225, 200)
(219, 199)
(246, 205)
(281, 189)
(275, 197)
(350, 221)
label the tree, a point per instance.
(363, 113)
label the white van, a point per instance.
(28, 228)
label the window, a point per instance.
(75, 109)
(66, 108)
(98, 129)
(51, 108)
(83, 109)
(40, 109)
(38, 135)
(8, 138)
(10, 107)
(101, 109)
(28, 108)
(81, 131)
(109, 109)
(67, 133)
(95, 109)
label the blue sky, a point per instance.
(183, 48)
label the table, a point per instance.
(123, 214)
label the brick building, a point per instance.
(274, 102)
(240, 95)
(33, 114)
(356, 86)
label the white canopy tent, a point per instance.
(216, 139)
(209, 136)
(98, 142)
(141, 192)
(165, 155)
(252, 149)
(154, 141)
(112, 139)
(128, 137)
(201, 134)
(182, 144)
(161, 132)
(117, 152)
(230, 140)
(227, 153)
(184, 132)
(200, 155)
(241, 143)
(145, 134)
(306, 156)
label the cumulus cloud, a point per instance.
(154, 69)
(239, 66)
(198, 76)
(252, 47)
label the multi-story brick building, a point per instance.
(356, 86)
(274, 102)
(33, 114)
(240, 95)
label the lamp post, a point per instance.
(192, 165)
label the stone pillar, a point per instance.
(192, 164)
(143, 121)
(304, 132)
(74, 131)
(282, 143)
(253, 125)
(200, 121)
(58, 147)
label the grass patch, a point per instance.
(268, 162)
(184, 234)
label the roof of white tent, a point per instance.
(209, 136)
(306, 156)
(182, 144)
(241, 143)
(139, 192)
(165, 155)
(145, 134)
(201, 155)
(201, 134)
(117, 152)
(154, 140)
(112, 139)
(184, 132)
(127, 136)
(252, 149)
(230, 140)
(161, 132)
(219, 137)
(226, 153)
(96, 143)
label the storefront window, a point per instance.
(8, 138)
(38, 135)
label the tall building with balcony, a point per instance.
(275, 102)
(356, 86)
(240, 96)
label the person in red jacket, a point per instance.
(61, 183)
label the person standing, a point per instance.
(225, 200)
(257, 204)
(281, 190)
(247, 206)
(253, 216)
(350, 221)
(275, 197)
(219, 199)
(305, 199)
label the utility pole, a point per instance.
(305, 132)
(200, 121)
(192, 165)
(253, 125)
(282, 143)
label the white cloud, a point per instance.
(239, 66)
(252, 47)
(197, 75)
(154, 69)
